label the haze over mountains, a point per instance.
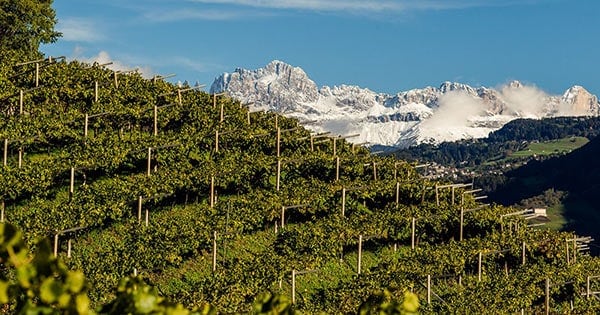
(450, 112)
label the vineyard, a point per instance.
(212, 203)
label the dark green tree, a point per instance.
(24, 25)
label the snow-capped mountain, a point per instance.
(450, 112)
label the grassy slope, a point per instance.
(564, 145)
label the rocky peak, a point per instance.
(582, 102)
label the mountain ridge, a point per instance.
(452, 111)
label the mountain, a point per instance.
(450, 112)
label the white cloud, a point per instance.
(365, 5)
(104, 57)
(79, 30)
(190, 14)
(456, 109)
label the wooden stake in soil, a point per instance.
(343, 202)
(428, 289)
(155, 120)
(217, 140)
(72, 184)
(85, 126)
(462, 220)
(397, 194)
(278, 141)
(479, 266)
(96, 92)
(360, 239)
(147, 217)
(214, 258)
(547, 290)
(412, 236)
(149, 161)
(55, 244)
(20, 157)
(212, 191)
(139, 209)
(69, 249)
(2, 207)
(278, 173)
(523, 254)
(21, 102)
(293, 286)
(5, 151)
(337, 168)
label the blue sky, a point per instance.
(386, 45)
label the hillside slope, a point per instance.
(576, 173)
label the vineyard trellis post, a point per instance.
(139, 214)
(360, 240)
(337, 168)
(72, 183)
(149, 161)
(20, 156)
(294, 274)
(5, 151)
(214, 253)
(547, 300)
(412, 234)
(2, 209)
(212, 192)
(428, 289)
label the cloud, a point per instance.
(160, 15)
(365, 6)
(195, 65)
(456, 108)
(524, 100)
(79, 30)
(104, 57)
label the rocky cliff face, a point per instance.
(449, 112)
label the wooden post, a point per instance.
(574, 250)
(276, 121)
(312, 143)
(212, 191)
(2, 207)
(343, 202)
(214, 100)
(179, 97)
(278, 141)
(37, 74)
(147, 217)
(21, 102)
(374, 170)
(222, 116)
(428, 289)
(523, 254)
(334, 146)
(278, 173)
(480, 257)
(587, 288)
(217, 140)
(214, 260)
(282, 217)
(397, 194)
(116, 79)
(20, 156)
(69, 249)
(568, 258)
(72, 183)
(149, 160)
(462, 221)
(547, 296)
(139, 209)
(294, 286)
(248, 116)
(155, 120)
(96, 91)
(5, 151)
(337, 168)
(85, 126)
(412, 235)
(437, 196)
(360, 238)
(56, 245)
(395, 171)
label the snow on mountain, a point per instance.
(451, 112)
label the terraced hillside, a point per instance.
(211, 203)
